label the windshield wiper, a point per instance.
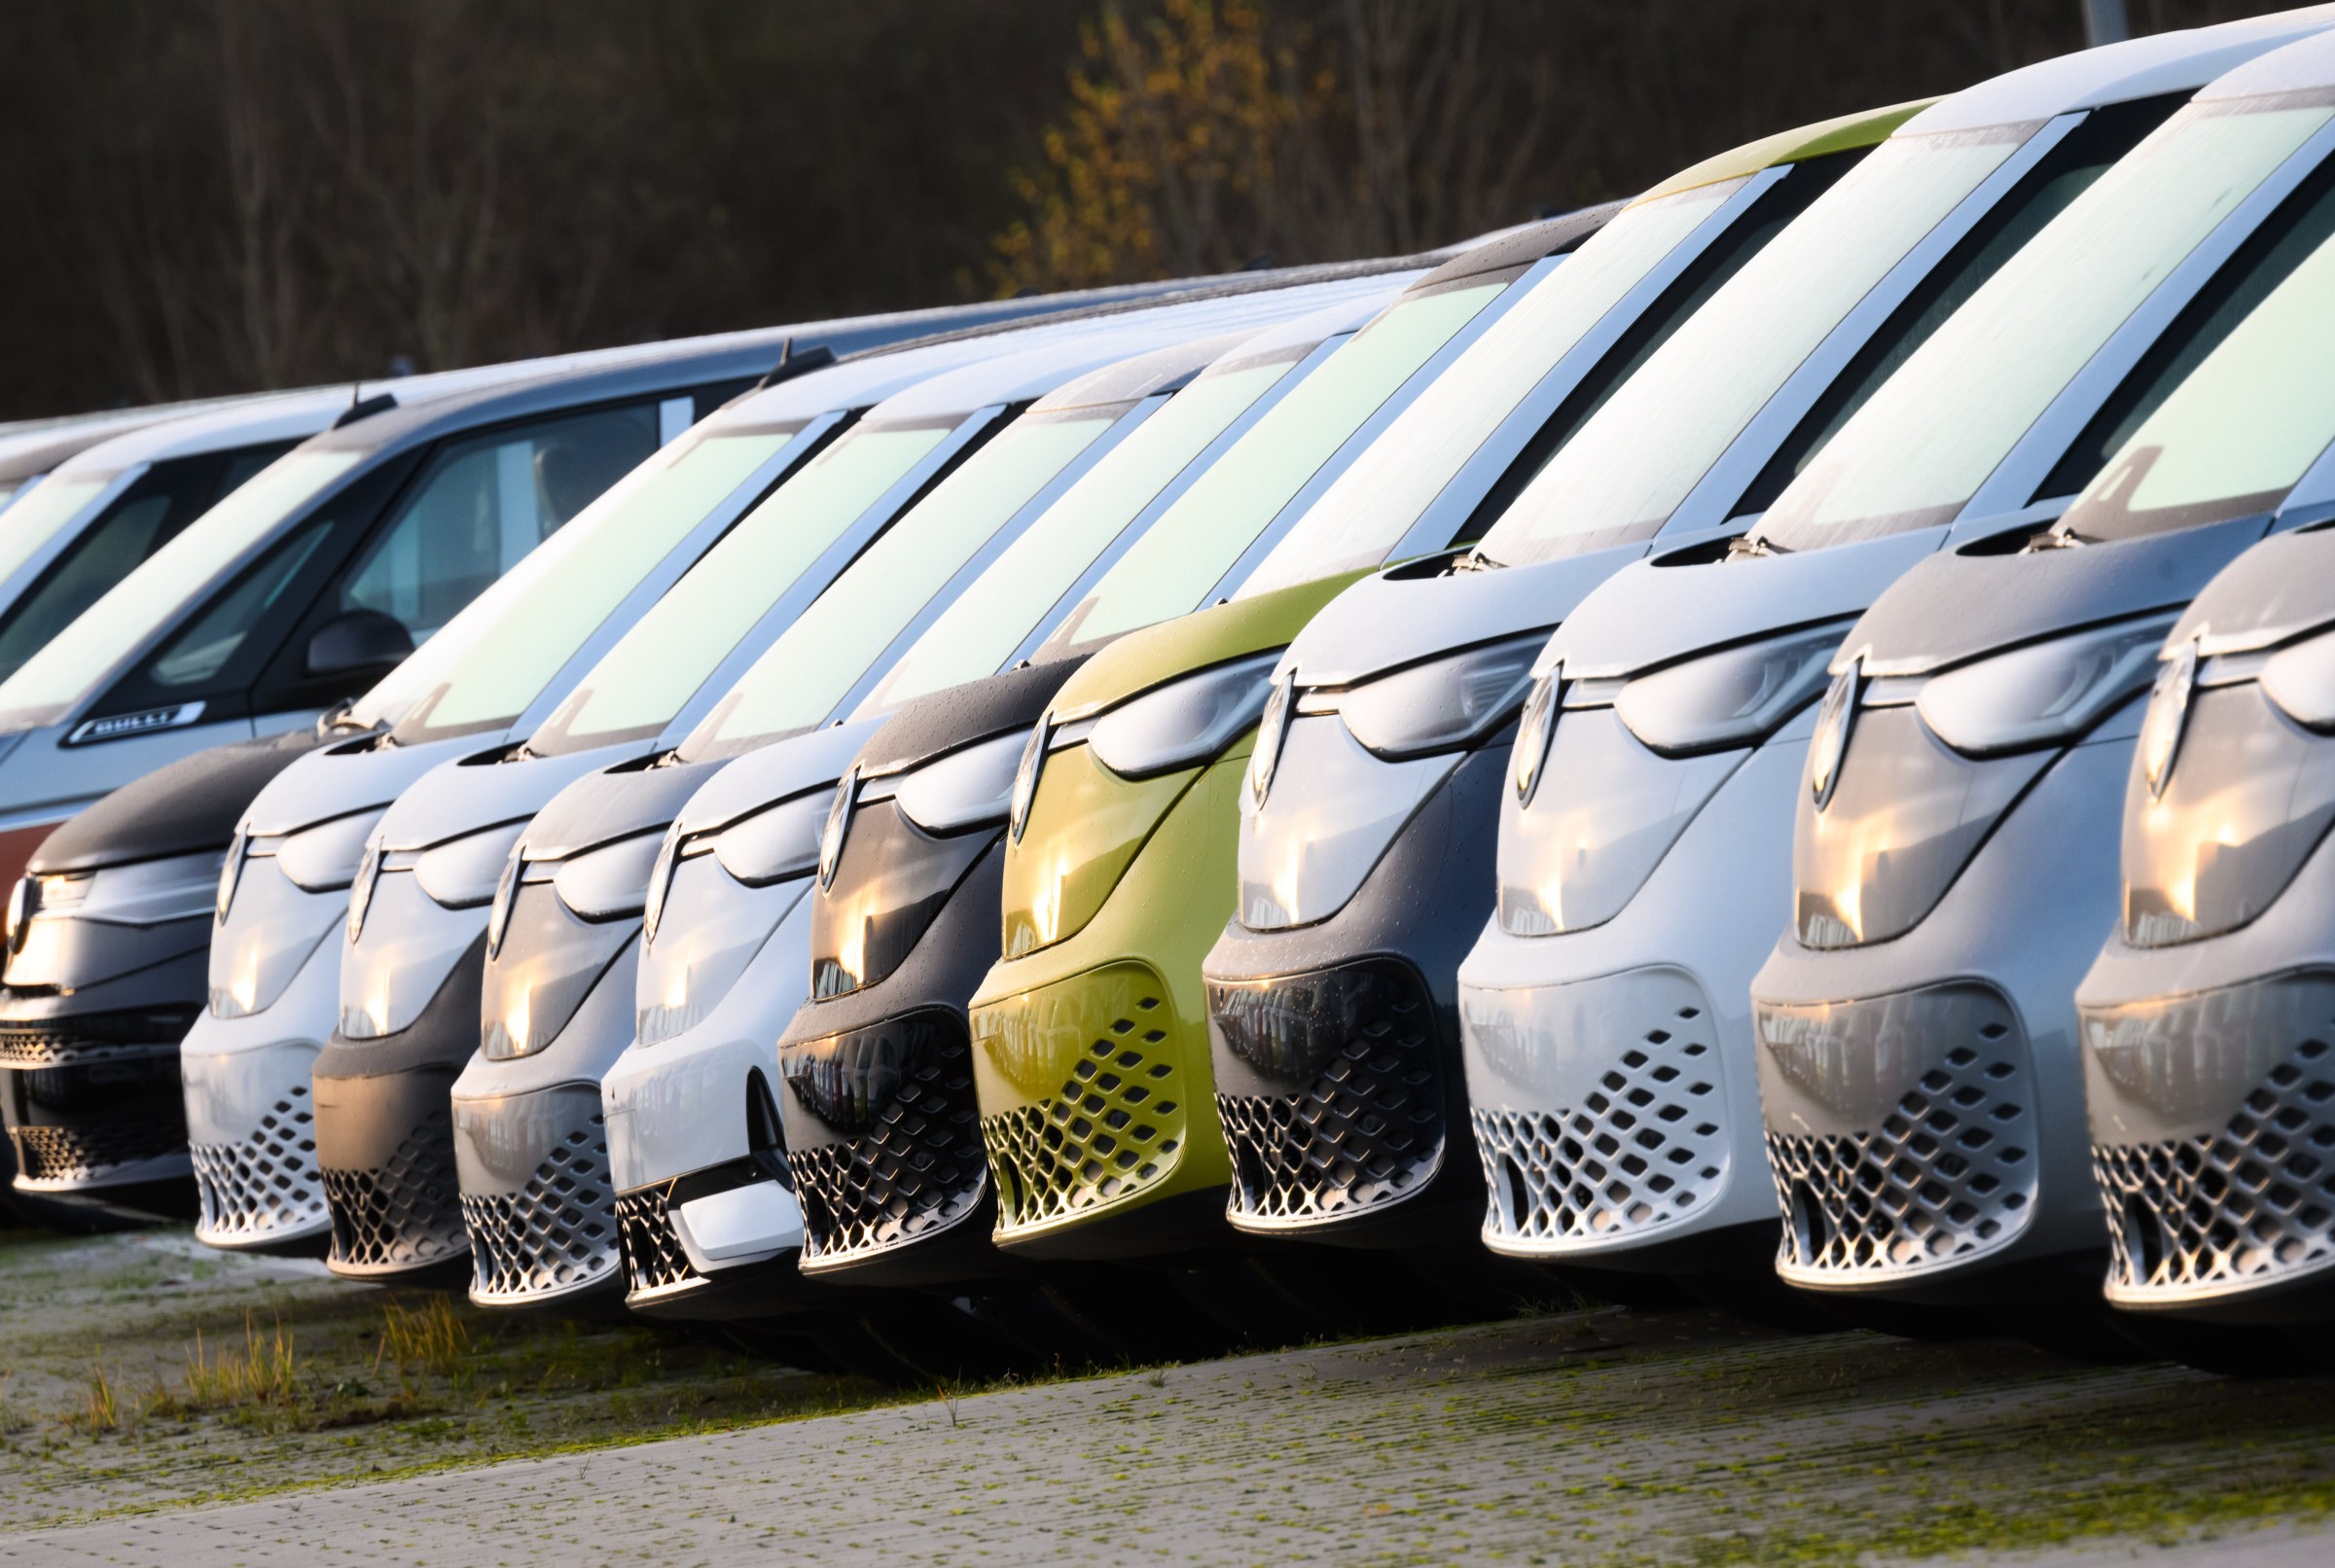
(1752, 547)
(338, 721)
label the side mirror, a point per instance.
(361, 639)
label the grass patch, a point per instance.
(264, 1373)
(427, 1338)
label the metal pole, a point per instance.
(2105, 22)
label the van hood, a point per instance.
(474, 792)
(185, 807)
(1670, 607)
(1960, 604)
(1416, 611)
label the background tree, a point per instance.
(212, 196)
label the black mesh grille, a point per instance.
(404, 1215)
(1368, 1127)
(558, 1232)
(1947, 1173)
(79, 1154)
(265, 1184)
(653, 1257)
(2251, 1203)
(915, 1165)
(94, 1036)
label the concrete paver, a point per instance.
(1576, 1439)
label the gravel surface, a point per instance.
(1586, 1438)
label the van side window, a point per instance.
(484, 503)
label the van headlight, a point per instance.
(910, 841)
(274, 907)
(1442, 704)
(54, 893)
(1359, 763)
(1185, 722)
(534, 984)
(1620, 769)
(714, 898)
(2043, 693)
(1109, 779)
(2235, 794)
(1929, 764)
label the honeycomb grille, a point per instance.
(266, 1185)
(1366, 1131)
(404, 1215)
(20, 1048)
(920, 1169)
(653, 1257)
(1109, 1131)
(97, 1037)
(1644, 1148)
(2247, 1205)
(1949, 1173)
(555, 1233)
(81, 1154)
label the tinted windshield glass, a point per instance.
(143, 516)
(1627, 469)
(63, 671)
(46, 508)
(980, 630)
(494, 657)
(644, 680)
(1933, 433)
(801, 677)
(483, 504)
(2237, 434)
(1369, 507)
(1196, 541)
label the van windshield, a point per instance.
(1368, 509)
(642, 682)
(46, 507)
(1198, 539)
(72, 663)
(814, 662)
(497, 654)
(1934, 432)
(981, 628)
(1627, 469)
(2234, 436)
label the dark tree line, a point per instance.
(209, 195)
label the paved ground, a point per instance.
(1581, 1439)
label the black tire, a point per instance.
(1766, 1300)
(2077, 1332)
(781, 1347)
(942, 1343)
(1361, 1291)
(1617, 1287)
(1484, 1284)
(1249, 1308)
(1129, 1308)
(1046, 1332)
(1910, 1320)
(2246, 1354)
(847, 1344)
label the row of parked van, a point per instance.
(1772, 738)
